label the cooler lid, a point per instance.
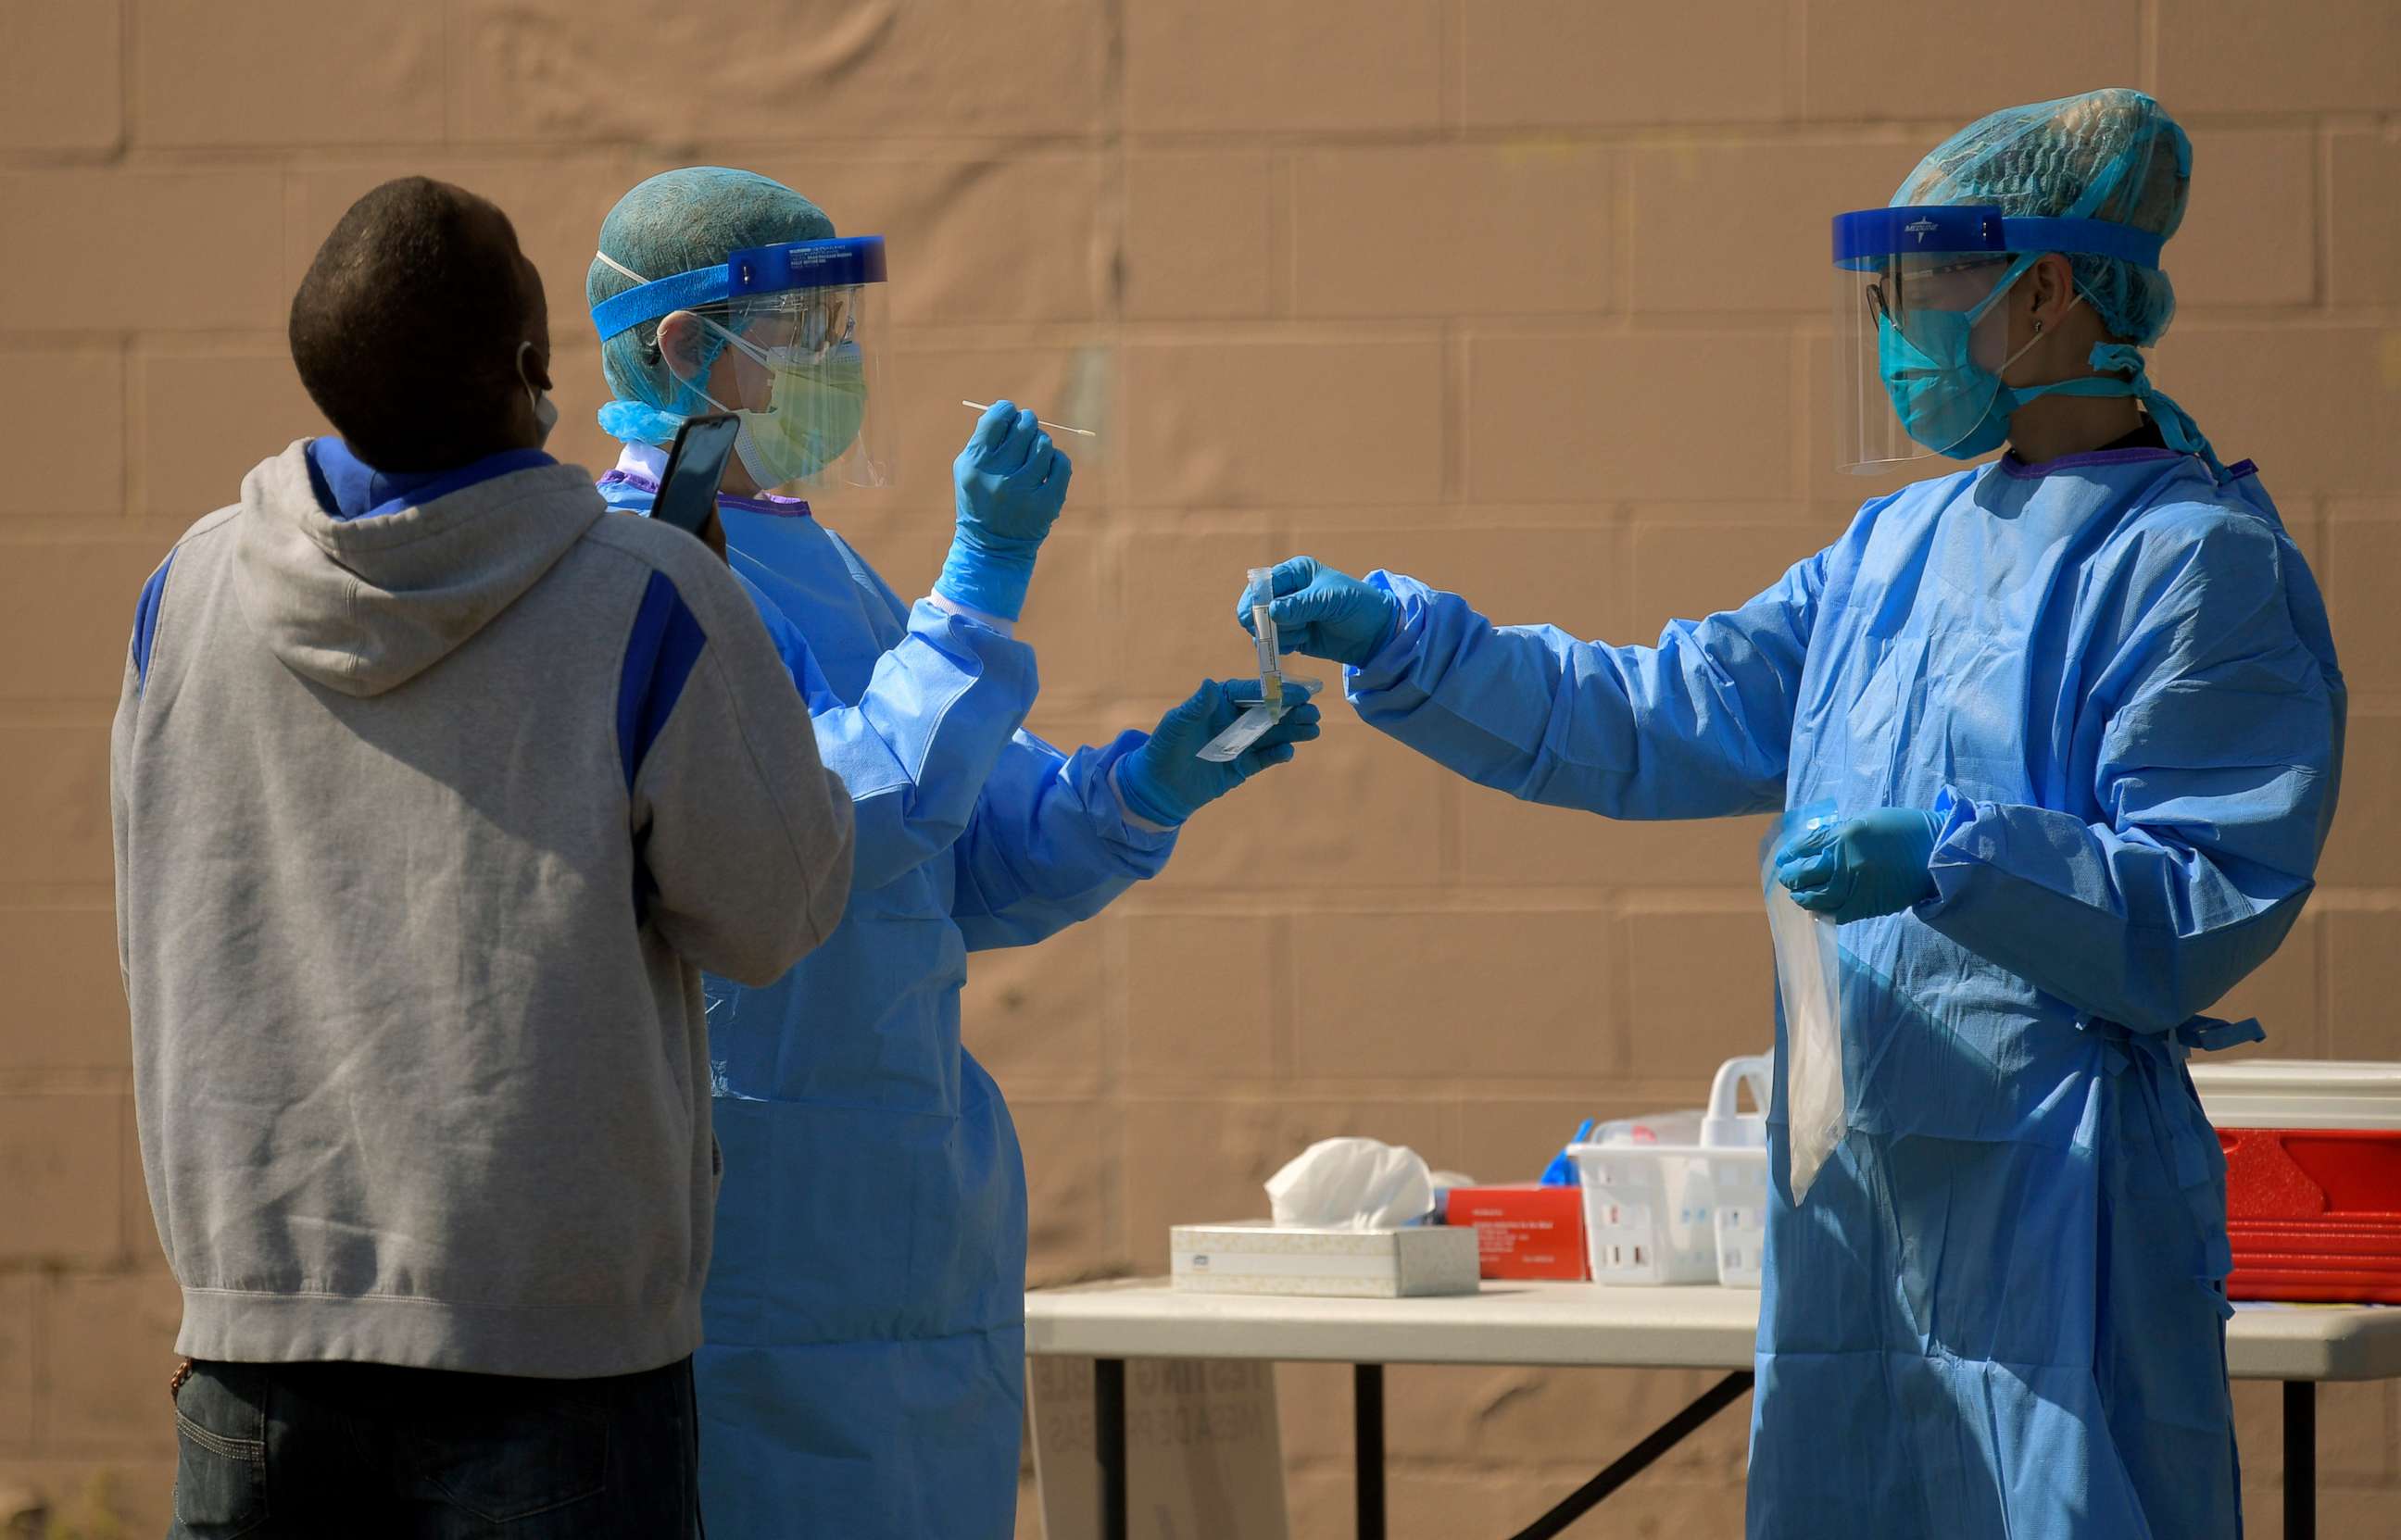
(2298, 1092)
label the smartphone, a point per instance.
(695, 465)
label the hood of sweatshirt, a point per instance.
(364, 605)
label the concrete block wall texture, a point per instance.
(1521, 295)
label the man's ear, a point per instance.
(682, 344)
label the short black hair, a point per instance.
(406, 329)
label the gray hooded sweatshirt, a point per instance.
(426, 824)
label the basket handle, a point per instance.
(1756, 1071)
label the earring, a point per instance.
(2037, 326)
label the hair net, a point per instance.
(2113, 155)
(674, 222)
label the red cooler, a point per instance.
(2312, 1176)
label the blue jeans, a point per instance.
(283, 1452)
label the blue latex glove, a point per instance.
(1874, 864)
(1325, 613)
(1166, 781)
(1010, 483)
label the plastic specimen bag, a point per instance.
(1809, 981)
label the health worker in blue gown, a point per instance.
(2079, 711)
(863, 1372)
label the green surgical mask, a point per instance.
(813, 417)
(815, 407)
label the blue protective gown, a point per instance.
(2001, 1312)
(863, 1375)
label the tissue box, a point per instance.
(1256, 1257)
(1523, 1232)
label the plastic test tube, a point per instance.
(1263, 630)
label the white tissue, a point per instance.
(1352, 1184)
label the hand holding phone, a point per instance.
(696, 464)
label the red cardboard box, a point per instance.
(1527, 1231)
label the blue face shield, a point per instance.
(1897, 276)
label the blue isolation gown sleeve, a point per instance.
(940, 709)
(793, 648)
(2214, 737)
(1051, 844)
(1697, 726)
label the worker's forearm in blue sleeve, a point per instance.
(1696, 726)
(917, 749)
(1051, 844)
(2133, 926)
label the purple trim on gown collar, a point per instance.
(776, 508)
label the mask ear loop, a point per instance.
(2022, 266)
(533, 397)
(757, 354)
(2073, 301)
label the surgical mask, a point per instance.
(1957, 407)
(1947, 400)
(545, 411)
(816, 403)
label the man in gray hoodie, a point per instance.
(436, 783)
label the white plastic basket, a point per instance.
(1646, 1201)
(1652, 1188)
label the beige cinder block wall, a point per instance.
(1523, 296)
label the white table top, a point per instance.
(1577, 1324)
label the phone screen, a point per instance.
(695, 466)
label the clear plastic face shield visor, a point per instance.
(1921, 337)
(789, 338)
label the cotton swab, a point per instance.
(1054, 427)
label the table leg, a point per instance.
(2301, 1460)
(1109, 1444)
(1367, 1415)
(1637, 1459)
